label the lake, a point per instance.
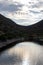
(25, 53)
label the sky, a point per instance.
(22, 12)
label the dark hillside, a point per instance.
(9, 30)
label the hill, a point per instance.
(10, 29)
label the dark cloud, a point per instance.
(35, 12)
(33, 6)
(40, 2)
(41, 10)
(37, 4)
(10, 7)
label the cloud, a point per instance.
(37, 5)
(36, 8)
(10, 7)
(34, 12)
(24, 12)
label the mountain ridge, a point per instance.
(13, 30)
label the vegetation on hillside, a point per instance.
(9, 30)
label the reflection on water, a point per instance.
(26, 53)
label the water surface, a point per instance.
(14, 55)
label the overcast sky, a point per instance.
(23, 12)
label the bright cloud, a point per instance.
(23, 12)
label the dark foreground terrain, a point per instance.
(12, 33)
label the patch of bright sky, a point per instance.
(30, 13)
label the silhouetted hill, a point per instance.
(38, 27)
(10, 29)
